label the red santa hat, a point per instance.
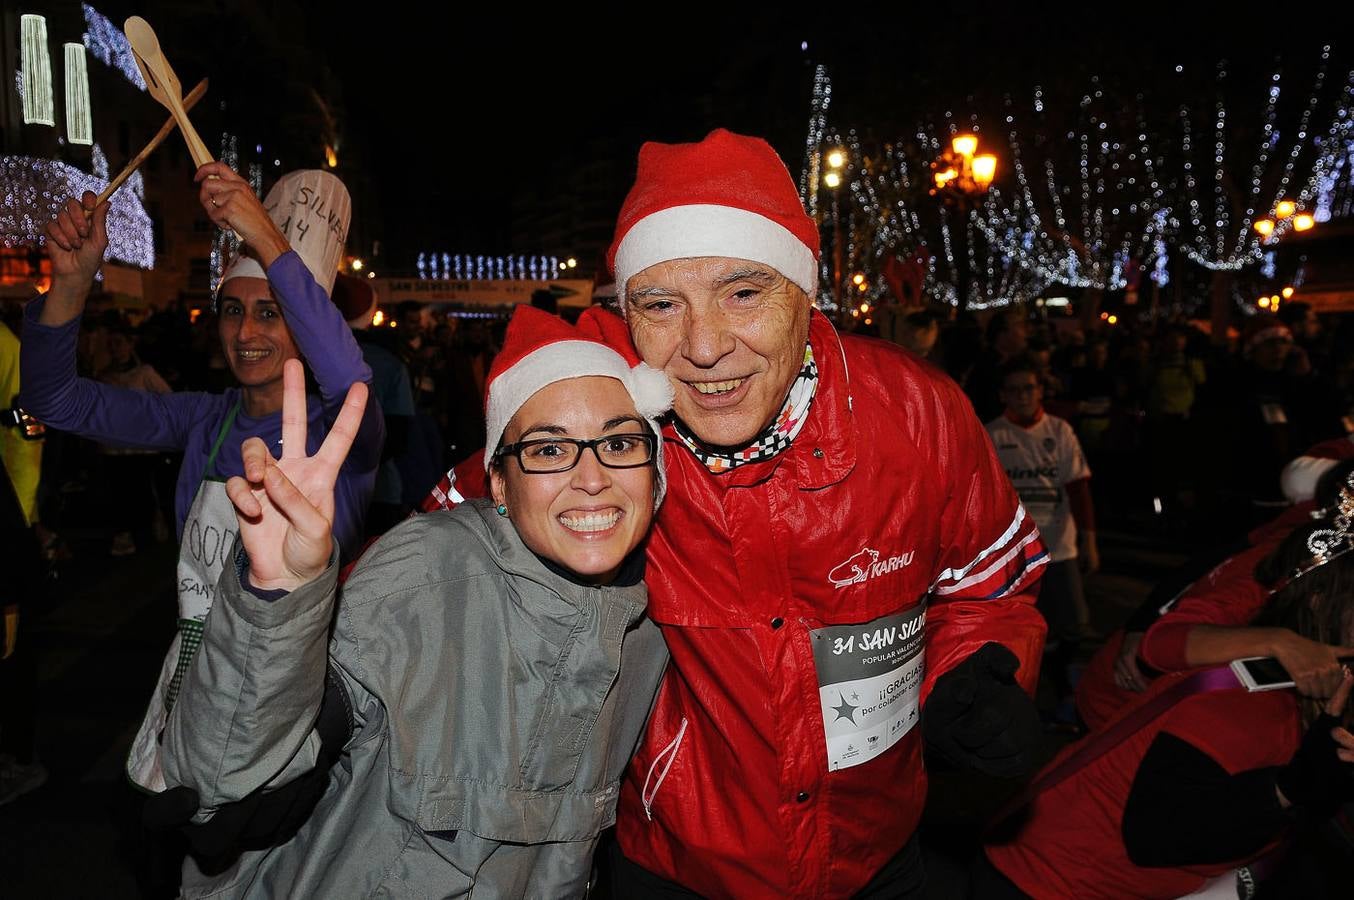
(355, 299)
(728, 195)
(540, 349)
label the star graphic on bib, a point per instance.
(845, 710)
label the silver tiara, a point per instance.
(1327, 544)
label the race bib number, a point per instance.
(869, 684)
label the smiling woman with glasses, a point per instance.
(615, 451)
(489, 670)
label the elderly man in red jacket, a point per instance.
(841, 559)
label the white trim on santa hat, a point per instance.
(243, 266)
(703, 229)
(561, 360)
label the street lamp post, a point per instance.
(1285, 218)
(961, 176)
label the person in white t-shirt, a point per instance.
(1043, 459)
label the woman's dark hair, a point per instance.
(1021, 364)
(1318, 605)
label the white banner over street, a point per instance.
(504, 292)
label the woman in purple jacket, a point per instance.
(274, 305)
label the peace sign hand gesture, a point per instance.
(286, 506)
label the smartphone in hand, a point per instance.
(1264, 673)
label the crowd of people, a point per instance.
(455, 599)
(1191, 426)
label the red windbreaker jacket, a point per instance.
(799, 597)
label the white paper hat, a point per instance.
(312, 209)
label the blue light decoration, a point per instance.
(811, 175)
(1097, 207)
(1331, 187)
(225, 245)
(478, 267)
(1160, 268)
(106, 43)
(32, 191)
(1012, 254)
(1099, 191)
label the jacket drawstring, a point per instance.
(846, 370)
(647, 796)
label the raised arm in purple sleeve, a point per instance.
(54, 394)
(328, 347)
(324, 339)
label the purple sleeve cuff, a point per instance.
(242, 569)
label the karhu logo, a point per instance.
(1017, 473)
(866, 565)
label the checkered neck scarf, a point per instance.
(777, 436)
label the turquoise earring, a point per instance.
(501, 509)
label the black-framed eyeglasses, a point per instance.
(615, 451)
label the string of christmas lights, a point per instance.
(106, 43)
(1119, 196)
(1328, 189)
(225, 244)
(466, 267)
(32, 191)
(812, 172)
(885, 221)
(1217, 242)
(1114, 198)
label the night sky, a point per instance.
(462, 122)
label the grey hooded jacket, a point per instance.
(495, 705)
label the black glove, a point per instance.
(978, 717)
(220, 835)
(1315, 779)
(169, 809)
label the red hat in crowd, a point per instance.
(355, 299)
(728, 195)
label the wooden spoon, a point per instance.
(135, 162)
(162, 83)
